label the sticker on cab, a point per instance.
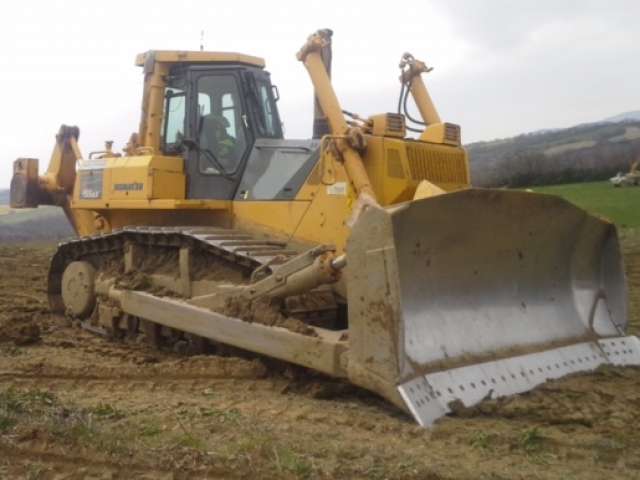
(338, 189)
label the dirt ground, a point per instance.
(77, 406)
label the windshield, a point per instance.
(263, 107)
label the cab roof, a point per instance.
(184, 56)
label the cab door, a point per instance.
(220, 134)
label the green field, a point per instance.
(620, 205)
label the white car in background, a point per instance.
(627, 179)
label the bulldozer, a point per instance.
(363, 253)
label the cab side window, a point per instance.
(266, 105)
(174, 120)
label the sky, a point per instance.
(501, 67)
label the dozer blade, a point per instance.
(481, 293)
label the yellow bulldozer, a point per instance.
(363, 253)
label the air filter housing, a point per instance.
(388, 125)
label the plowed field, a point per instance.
(73, 405)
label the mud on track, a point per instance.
(76, 406)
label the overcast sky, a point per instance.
(501, 67)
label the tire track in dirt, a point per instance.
(68, 466)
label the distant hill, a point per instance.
(592, 151)
(624, 117)
(48, 226)
(42, 224)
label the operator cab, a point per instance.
(215, 107)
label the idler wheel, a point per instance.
(78, 288)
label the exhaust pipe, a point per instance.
(320, 122)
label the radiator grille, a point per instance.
(436, 166)
(394, 164)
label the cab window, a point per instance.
(174, 120)
(266, 104)
(221, 131)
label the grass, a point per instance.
(107, 430)
(15, 405)
(224, 416)
(21, 410)
(106, 410)
(11, 350)
(481, 440)
(292, 462)
(150, 429)
(531, 440)
(619, 205)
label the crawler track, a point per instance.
(237, 248)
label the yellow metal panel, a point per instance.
(174, 56)
(374, 161)
(144, 182)
(148, 177)
(325, 220)
(280, 217)
(397, 166)
(128, 182)
(386, 164)
(128, 215)
(84, 221)
(158, 204)
(427, 189)
(317, 215)
(203, 204)
(159, 162)
(167, 184)
(321, 221)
